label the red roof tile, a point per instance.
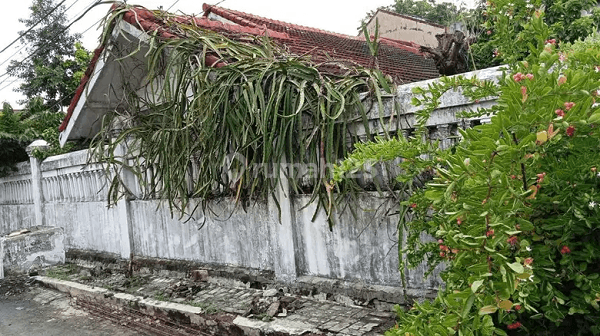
(400, 59)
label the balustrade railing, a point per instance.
(82, 184)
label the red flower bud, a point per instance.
(565, 249)
(513, 326)
(489, 233)
(560, 113)
(512, 240)
(413, 205)
(570, 131)
(517, 307)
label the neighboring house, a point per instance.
(394, 26)
(100, 89)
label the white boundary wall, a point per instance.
(73, 196)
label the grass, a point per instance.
(62, 272)
(160, 296)
(208, 307)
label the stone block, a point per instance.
(41, 247)
(200, 275)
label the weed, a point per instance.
(160, 296)
(62, 272)
(208, 307)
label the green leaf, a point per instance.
(517, 267)
(487, 310)
(475, 285)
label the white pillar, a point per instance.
(282, 237)
(36, 181)
(123, 206)
(1, 258)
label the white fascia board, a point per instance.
(121, 29)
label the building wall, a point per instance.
(405, 29)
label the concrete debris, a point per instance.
(16, 233)
(270, 292)
(273, 311)
(200, 275)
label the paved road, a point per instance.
(35, 311)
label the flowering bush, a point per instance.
(514, 206)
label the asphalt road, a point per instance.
(35, 311)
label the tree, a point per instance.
(567, 20)
(19, 128)
(444, 13)
(514, 206)
(12, 140)
(50, 71)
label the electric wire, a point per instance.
(85, 31)
(97, 2)
(34, 25)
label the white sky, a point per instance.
(340, 16)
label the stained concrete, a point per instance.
(41, 247)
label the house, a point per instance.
(100, 89)
(394, 26)
(290, 242)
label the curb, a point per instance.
(182, 313)
(185, 313)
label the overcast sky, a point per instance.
(340, 16)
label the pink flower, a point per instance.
(570, 131)
(518, 77)
(489, 32)
(529, 76)
(458, 220)
(512, 240)
(489, 233)
(528, 262)
(562, 57)
(413, 205)
(551, 41)
(569, 105)
(517, 307)
(560, 113)
(565, 249)
(495, 53)
(540, 177)
(562, 80)
(524, 93)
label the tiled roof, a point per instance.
(400, 59)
